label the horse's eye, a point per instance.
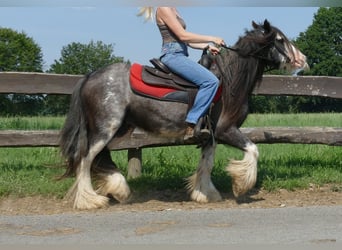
(280, 39)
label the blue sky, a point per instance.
(137, 41)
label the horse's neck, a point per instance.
(241, 72)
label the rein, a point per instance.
(255, 54)
(258, 54)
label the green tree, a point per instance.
(81, 59)
(322, 44)
(78, 58)
(18, 52)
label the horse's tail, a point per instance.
(73, 139)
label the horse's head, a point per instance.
(264, 42)
(279, 51)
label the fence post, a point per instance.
(134, 163)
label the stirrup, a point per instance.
(204, 134)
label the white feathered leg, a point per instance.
(244, 172)
(199, 185)
(115, 184)
(82, 192)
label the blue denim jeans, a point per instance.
(175, 57)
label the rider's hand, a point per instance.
(213, 50)
(218, 41)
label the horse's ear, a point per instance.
(255, 25)
(267, 26)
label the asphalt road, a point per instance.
(303, 225)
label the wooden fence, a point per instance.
(40, 83)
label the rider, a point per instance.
(174, 55)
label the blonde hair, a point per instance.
(147, 12)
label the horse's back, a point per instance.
(112, 80)
(115, 71)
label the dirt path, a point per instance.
(168, 200)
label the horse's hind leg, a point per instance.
(200, 186)
(82, 192)
(109, 179)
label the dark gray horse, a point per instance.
(103, 107)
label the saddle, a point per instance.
(160, 70)
(160, 83)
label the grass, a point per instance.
(253, 120)
(31, 123)
(294, 120)
(296, 166)
(32, 171)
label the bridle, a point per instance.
(258, 54)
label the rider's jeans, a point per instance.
(177, 61)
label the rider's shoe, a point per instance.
(190, 134)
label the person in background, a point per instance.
(174, 54)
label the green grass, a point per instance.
(31, 123)
(253, 120)
(296, 166)
(294, 120)
(32, 171)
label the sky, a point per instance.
(53, 27)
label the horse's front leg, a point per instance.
(243, 172)
(200, 186)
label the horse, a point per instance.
(104, 106)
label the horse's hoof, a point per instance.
(91, 202)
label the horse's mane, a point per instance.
(241, 69)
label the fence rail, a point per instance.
(138, 139)
(41, 83)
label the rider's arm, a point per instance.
(167, 16)
(201, 46)
(214, 50)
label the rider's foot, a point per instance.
(189, 132)
(190, 135)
